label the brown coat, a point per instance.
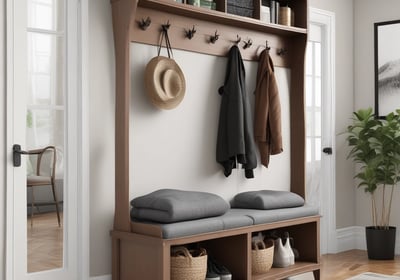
(267, 119)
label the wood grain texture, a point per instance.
(350, 263)
(122, 12)
(45, 243)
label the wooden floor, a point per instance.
(45, 252)
(45, 242)
(344, 265)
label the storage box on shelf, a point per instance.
(241, 8)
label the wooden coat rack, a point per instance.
(141, 23)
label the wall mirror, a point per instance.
(45, 120)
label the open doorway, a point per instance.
(320, 116)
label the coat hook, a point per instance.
(282, 51)
(238, 39)
(247, 44)
(214, 38)
(266, 45)
(166, 26)
(144, 23)
(190, 33)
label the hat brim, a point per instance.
(164, 82)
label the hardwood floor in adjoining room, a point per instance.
(45, 242)
(347, 264)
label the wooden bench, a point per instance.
(145, 253)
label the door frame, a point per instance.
(326, 20)
(81, 130)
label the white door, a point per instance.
(320, 116)
(31, 45)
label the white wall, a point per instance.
(2, 138)
(344, 85)
(177, 148)
(367, 12)
(101, 134)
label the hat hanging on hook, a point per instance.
(164, 80)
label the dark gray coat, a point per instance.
(235, 141)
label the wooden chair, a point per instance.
(44, 176)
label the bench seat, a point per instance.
(234, 218)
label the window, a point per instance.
(46, 73)
(313, 95)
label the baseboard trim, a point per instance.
(102, 277)
(347, 238)
(351, 238)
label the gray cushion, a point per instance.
(227, 221)
(193, 227)
(267, 199)
(234, 218)
(276, 215)
(170, 205)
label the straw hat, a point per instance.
(164, 82)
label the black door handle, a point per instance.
(327, 150)
(17, 152)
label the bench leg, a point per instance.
(316, 274)
(115, 258)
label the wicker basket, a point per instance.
(188, 264)
(263, 257)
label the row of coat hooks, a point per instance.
(189, 33)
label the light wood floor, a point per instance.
(45, 242)
(344, 265)
(45, 252)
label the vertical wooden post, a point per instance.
(297, 117)
(123, 11)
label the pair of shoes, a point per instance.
(274, 235)
(295, 251)
(216, 271)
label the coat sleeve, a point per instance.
(267, 119)
(274, 120)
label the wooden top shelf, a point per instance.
(220, 17)
(229, 26)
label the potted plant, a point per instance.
(375, 146)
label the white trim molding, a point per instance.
(326, 20)
(15, 65)
(78, 257)
(83, 150)
(9, 242)
(351, 238)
